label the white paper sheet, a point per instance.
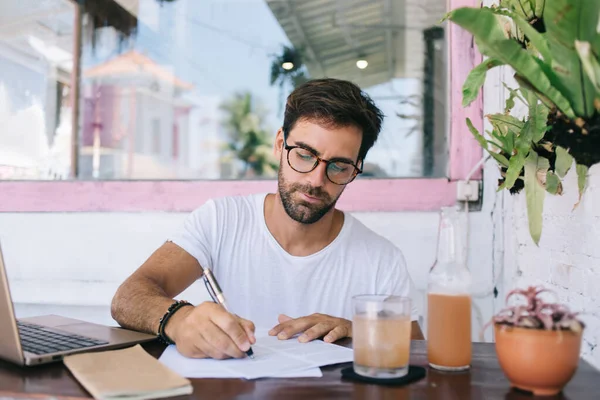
(272, 358)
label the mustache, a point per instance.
(315, 192)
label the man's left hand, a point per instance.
(314, 326)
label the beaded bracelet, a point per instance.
(163, 321)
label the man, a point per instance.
(288, 261)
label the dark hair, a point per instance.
(336, 103)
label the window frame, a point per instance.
(366, 194)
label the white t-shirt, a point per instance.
(261, 280)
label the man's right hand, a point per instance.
(209, 331)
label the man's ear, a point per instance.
(278, 144)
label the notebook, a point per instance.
(273, 358)
(127, 374)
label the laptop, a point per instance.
(46, 339)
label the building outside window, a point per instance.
(195, 90)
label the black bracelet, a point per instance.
(162, 323)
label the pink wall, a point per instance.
(465, 153)
(182, 196)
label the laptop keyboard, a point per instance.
(38, 339)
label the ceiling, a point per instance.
(335, 33)
(130, 5)
(38, 29)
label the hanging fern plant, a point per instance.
(554, 48)
(288, 69)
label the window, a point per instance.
(174, 90)
(36, 65)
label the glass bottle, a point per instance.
(449, 297)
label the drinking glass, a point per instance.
(381, 328)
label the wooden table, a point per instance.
(485, 380)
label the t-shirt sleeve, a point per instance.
(197, 236)
(397, 281)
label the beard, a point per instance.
(303, 211)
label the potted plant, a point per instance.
(537, 343)
(554, 49)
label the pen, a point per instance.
(211, 281)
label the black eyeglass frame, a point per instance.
(318, 161)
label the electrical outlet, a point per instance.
(467, 191)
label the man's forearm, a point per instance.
(139, 304)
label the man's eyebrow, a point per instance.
(312, 149)
(308, 147)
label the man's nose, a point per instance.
(317, 176)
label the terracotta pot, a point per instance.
(536, 360)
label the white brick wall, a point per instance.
(88, 255)
(568, 257)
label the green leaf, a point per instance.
(515, 166)
(510, 102)
(537, 39)
(506, 142)
(522, 7)
(514, 92)
(541, 122)
(582, 171)
(490, 39)
(541, 77)
(528, 8)
(553, 184)
(571, 20)
(504, 123)
(538, 116)
(590, 63)
(523, 141)
(501, 144)
(535, 193)
(523, 149)
(539, 7)
(563, 161)
(478, 136)
(483, 142)
(476, 79)
(525, 87)
(499, 158)
(567, 21)
(495, 144)
(500, 141)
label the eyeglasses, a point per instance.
(304, 160)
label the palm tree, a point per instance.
(249, 141)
